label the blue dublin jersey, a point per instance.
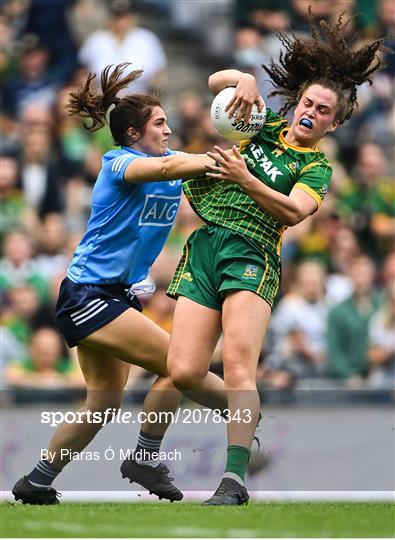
(128, 226)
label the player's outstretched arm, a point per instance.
(163, 169)
(287, 209)
(246, 93)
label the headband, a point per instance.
(108, 111)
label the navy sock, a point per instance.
(148, 447)
(43, 474)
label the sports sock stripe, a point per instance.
(46, 470)
(150, 446)
(43, 474)
(149, 439)
(45, 467)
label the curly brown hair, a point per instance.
(328, 58)
(132, 110)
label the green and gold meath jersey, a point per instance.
(274, 162)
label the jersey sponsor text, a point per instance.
(159, 210)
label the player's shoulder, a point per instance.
(314, 161)
(273, 125)
(320, 158)
(114, 153)
(114, 163)
(273, 118)
(113, 158)
(320, 155)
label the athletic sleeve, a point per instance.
(117, 167)
(314, 179)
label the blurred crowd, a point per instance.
(335, 317)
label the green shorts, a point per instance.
(217, 260)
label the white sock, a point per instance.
(235, 477)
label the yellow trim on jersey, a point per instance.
(297, 148)
(264, 274)
(186, 254)
(309, 191)
(280, 240)
(243, 144)
(307, 167)
(275, 122)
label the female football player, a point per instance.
(276, 180)
(134, 204)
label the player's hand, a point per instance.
(228, 167)
(246, 94)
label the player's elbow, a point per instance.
(211, 83)
(297, 214)
(290, 219)
(166, 168)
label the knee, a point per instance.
(186, 379)
(238, 378)
(106, 403)
(164, 383)
(239, 374)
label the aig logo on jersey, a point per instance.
(159, 210)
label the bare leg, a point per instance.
(196, 330)
(150, 347)
(105, 356)
(245, 320)
(105, 378)
(162, 396)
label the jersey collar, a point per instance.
(137, 153)
(297, 148)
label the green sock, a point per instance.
(238, 458)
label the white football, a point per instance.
(229, 127)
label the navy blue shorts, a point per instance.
(84, 308)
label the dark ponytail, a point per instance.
(132, 110)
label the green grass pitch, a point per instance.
(193, 520)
